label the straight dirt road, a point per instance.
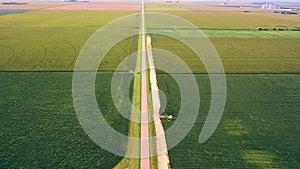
(161, 145)
(145, 162)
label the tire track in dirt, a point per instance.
(43, 58)
(75, 55)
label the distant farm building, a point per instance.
(172, 1)
(76, 1)
(270, 6)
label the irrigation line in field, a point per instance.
(11, 58)
(75, 55)
(43, 58)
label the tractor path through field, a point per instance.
(161, 144)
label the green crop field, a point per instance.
(242, 55)
(259, 128)
(39, 126)
(6, 12)
(50, 40)
(239, 20)
(236, 33)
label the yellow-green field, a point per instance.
(49, 40)
(242, 55)
(239, 20)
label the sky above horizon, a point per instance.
(259, 1)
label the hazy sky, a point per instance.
(164, 0)
(225, 0)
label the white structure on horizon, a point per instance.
(270, 6)
(172, 1)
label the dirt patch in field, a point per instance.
(97, 7)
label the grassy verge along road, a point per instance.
(134, 127)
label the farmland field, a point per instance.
(259, 126)
(49, 40)
(242, 55)
(259, 129)
(39, 126)
(239, 20)
(7, 12)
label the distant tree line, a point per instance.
(14, 3)
(279, 29)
